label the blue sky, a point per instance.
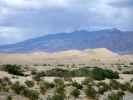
(23, 19)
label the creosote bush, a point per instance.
(75, 93)
(102, 87)
(29, 83)
(44, 86)
(90, 92)
(77, 85)
(116, 96)
(14, 69)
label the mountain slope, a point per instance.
(112, 39)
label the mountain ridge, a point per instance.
(112, 39)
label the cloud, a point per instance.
(23, 19)
(122, 3)
(33, 4)
(9, 33)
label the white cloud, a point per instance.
(21, 19)
(10, 34)
(33, 4)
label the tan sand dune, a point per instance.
(70, 56)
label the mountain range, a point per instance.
(112, 39)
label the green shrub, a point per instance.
(87, 81)
(114, 84)
(102, 87)
(57, 72)
(95, 73)
(31, 94)
(60, 87)
(128, 72)
(59, 82)
(101, 74)
(44, 86)
(81, 72)
(90, 92)
(14, 69)
(17, 88)
(125, 86)
(38, 75)
(115, 96)
(57, 97)
(77, 85)
(9, 97)
(75, 93)
(29, 83)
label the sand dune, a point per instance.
(70, 56)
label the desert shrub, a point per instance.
(17, 88)
(95, 73)
(128, 72)
(110, 74)
(47, 84)
(130, 89)
(31, 94)
(125, 66)
(75, 93)
(43, 89)
(87, 81)
(102, 87)
(5, 84)
(38, 75)
(101, 74)
(44, 86)
(9, 97)
(90, 92)
(114, 84)
(60, 90)
(125, 86)
(58, 72)
(61, 65)
(116, 96)
(5, 81)
(14, 69)
(29, 83)
(57, 97)
(77, 85)
(80, 72)
(131, 63)
(33, 71)
(58, 82)
(60, 87)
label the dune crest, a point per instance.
(76, 56)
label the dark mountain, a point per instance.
(113, 39)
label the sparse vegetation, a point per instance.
(36, 86)
(95, 73)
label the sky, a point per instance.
(24, 19)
